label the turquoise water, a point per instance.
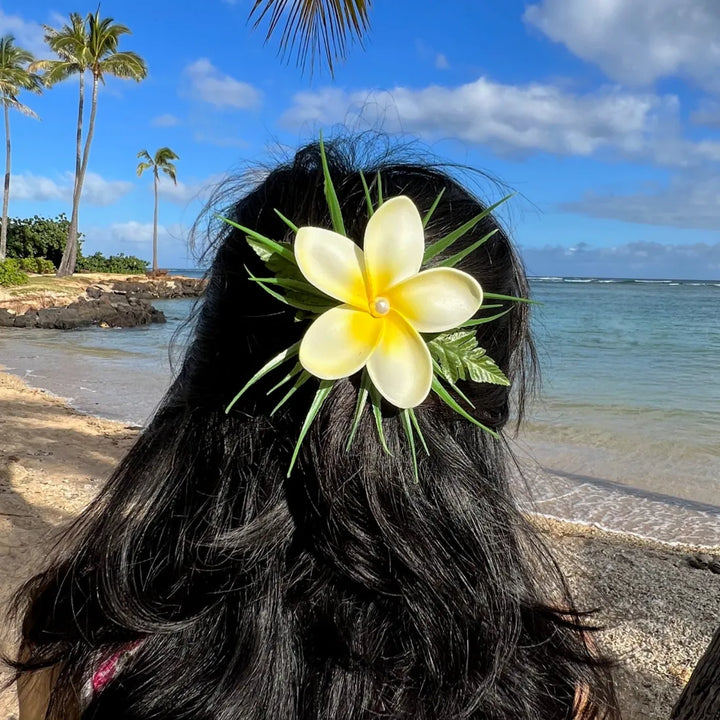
(630, 395)
(631, 391)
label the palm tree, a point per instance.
(14, 77)
(161, 162)
(317, 27)
(88, 44)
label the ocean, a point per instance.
(625, 433)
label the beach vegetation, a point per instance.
(316, 30)
(15, 76)
(39, 237)
(120, 263)
(161, 162)
(39, 265)
(11, 273)
(88, 44)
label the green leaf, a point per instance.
(460, 358)
(408, 428)
(444, 243)
(495, 296)
(275, 247)
(261, 251)
(452, 385)
(368, 199)
(320, 397)
(430, 212)
(375, 402)
(363, 392)
(330, 194)
(304, 377)
(418, 431)
(293, 299)
(297, 368)
(448, 399)
(379, 188)
(481, 321)
(278, 360)
(300, 285)
(457, 257)
(289, 223)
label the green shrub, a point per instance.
(11, 274)
(39, 265)
(120, 263)
(38, 237)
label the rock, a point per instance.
(29, 319)
(7, 318)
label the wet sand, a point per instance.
(659, 613)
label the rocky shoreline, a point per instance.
(112, 304)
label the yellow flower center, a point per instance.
(379, 307)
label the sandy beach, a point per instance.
(658, 612)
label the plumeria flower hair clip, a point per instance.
(410, 331)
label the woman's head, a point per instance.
(351, 589)
(241, 326)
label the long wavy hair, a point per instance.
(349, 590)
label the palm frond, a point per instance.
(314, 28)
(126, 65)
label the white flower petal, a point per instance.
(401, 366)
(437, 300)
(394, 244)
(332, 263)
(339, 342)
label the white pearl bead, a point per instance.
(381, 306)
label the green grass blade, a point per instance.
(495, 296)
(483, 320)
(430, 212)
(408, 428)
(320, 397)
(375, 402)
(290, 284)
(330, 194)
(418, 431)
(453, 260)
(289, 223)
(450, 401)
(278, 360)
(363, 392)
(304, 377)
(379, 189)
(444, 243)
(267, 243)
(295, 370)
(463, 396)
(368, 199)
(316, 309)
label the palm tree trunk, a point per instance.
(69, 258)
(155, 225)
(6, 190)
(78, 141)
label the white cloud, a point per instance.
(441, 62)
(515, 118)
(642, 259)
(184, 193)
(203, 81)
(96, 189)
(166, 120)
(638, 41)
(687, 202)
(28, 33)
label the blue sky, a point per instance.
(604, 116)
